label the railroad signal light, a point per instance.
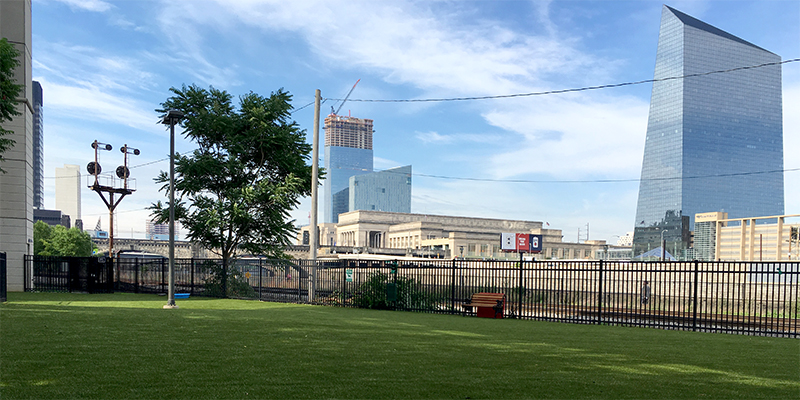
(94, 168)
(123, 172)
(129, 150)
(102, 146)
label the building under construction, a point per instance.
(348, 152)
(345, 131)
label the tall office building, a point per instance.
(16, 185)
(388, 190)
(710, 138)
(68, 191)
(38, 147)
(348, 152)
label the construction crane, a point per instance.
(336, 112)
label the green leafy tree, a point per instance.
(9, 90)
(234, 192)
(41, 234)
(60, 241)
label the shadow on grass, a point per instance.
(116, 346)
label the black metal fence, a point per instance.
(3, 278)
(731, 297)
(68, 274)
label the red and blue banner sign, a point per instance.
(521, 242)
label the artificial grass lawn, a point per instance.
(127, 346)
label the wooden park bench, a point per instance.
(489, 305)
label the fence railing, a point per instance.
(68, 274)
(3, 278)
(732, 297)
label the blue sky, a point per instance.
(105, 67)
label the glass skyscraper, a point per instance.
(38, 146)
(348, 152)
(714, 142)
(388, 190)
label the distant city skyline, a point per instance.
(569, 159)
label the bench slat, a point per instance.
(485, 300)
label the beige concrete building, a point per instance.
(451, 236)
(68, 191)
(769, 238)
(16, 185)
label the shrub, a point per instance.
(410, 296)
(238, 287)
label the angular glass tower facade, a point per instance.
(711, 139)
(388, 190)
(348, 152)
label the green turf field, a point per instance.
(127, 346)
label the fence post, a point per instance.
(191, 276)
(136, 275)
(453, 287)
(260, 268)
(115, 269)
(694, 307)
(162, 275)
(110, 277)
(521, 289)
(600, 294)
(3, 283)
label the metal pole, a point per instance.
(171, 300)
(314, 184)
(111, 227)
(171, 118)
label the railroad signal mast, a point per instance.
(123, 173)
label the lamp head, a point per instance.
(172, 117)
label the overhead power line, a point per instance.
(597, 180)
(572, 90)
(85, 175)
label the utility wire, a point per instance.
(572, 90)
(673, 178)
(560, 91)
(298, 109)
(85, 175)
(149, 163)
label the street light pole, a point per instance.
(172, 117)
(663, 246)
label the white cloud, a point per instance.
(380, 164)
(87, 66)
(572, 136)
(187, 44)
(404, 41)
(437, 138)
(93, 104)
(433, 137)
(87, 5)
